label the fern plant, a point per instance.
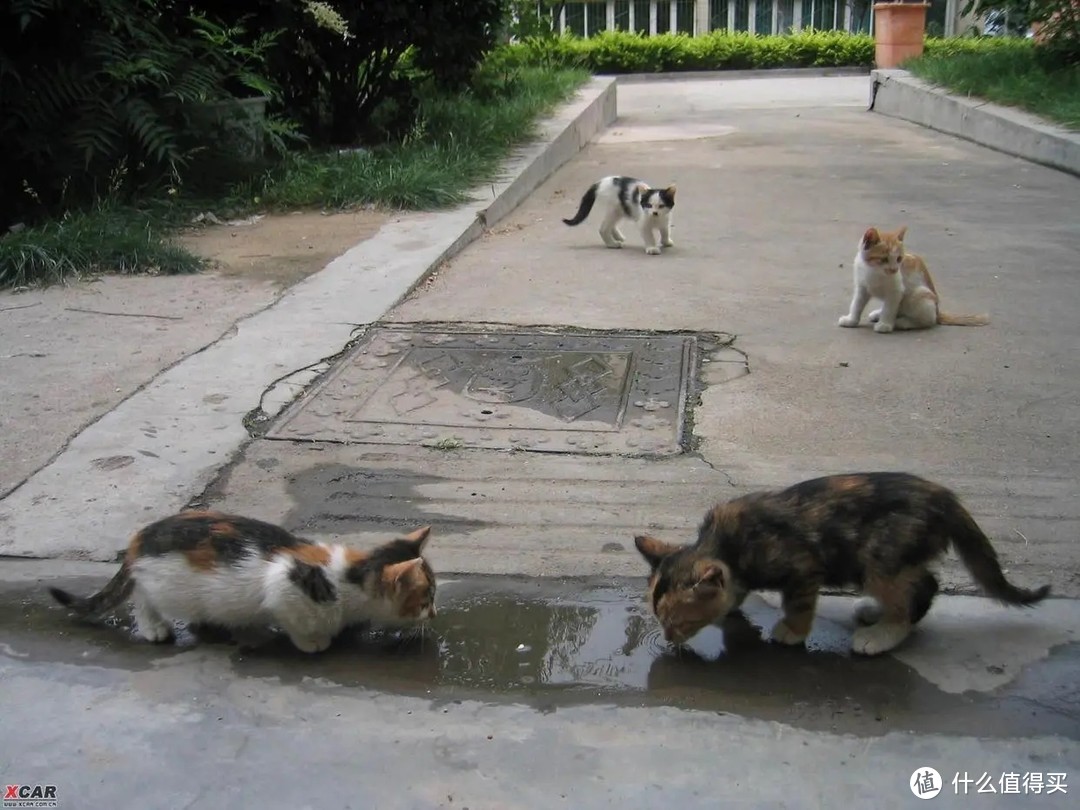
(112, 89)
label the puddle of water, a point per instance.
(559, 643)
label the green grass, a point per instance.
(1010, 73)
(458, 142)
(110, 239)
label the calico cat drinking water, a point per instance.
(629, 198)
(878, 531)
(902, 282)
(230, 571)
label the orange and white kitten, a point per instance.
(233, 572)
(902, 282)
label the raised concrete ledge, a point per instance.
(176, 432)
(898, 94)
(733, 75)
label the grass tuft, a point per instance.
(1012, 73)
(107, 239)
(458, 142)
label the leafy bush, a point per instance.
(1057, 25)
(625, 52)
(1011, 71)
(99, 97)
(342, 58)
(457, 141)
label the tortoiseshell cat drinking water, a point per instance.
(879, 531)
(232, 572)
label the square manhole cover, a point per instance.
(529, 390)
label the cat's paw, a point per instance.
(874, 316)
(613, 244)
(785, 635)
(847, 321)
(156, 632)
(867, 611)
(653, 251)
(879, 638)
(311, 644)
(669, 242)
(882, 327)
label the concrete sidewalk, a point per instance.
(771, 203)
(558, 692)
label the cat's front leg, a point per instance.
(150, 624)
(308, 627)
(799, 606)
(649, 234)
(609, 232)
(665, 235)
(311, 643)
(859, 299)
(886, 320)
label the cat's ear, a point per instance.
(710, 573)
(418, 538)
(900, 233)
(399, 574)
(670, 191)
(653, 550)
(871, 237)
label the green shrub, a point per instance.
(457, 141)
(1058, 23)
(625, 52)
(956, 46)
(340, 60)
(99, 97)
(1012, 71)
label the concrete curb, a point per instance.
(163, 445)
(898, 94)
(732, 75)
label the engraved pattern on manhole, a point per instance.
(580, 393)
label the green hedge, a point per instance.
(624, 52)
(956, 46)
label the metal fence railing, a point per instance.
(701, 16)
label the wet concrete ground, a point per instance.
(528, 693)
(558, 693)
(551, 643)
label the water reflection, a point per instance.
(555, 643)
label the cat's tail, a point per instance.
(585, 207)
(945, 319)
(115, 591)
(981, 560)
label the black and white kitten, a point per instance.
(629, 198)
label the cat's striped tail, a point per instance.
(585, 207)
(115, 591)
(979, 557)
(945, 319)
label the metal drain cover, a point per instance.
(529, 390)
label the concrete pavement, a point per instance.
(537, 693)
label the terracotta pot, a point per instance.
(899, 30)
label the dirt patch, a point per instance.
(71, 353)
(281, 248)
